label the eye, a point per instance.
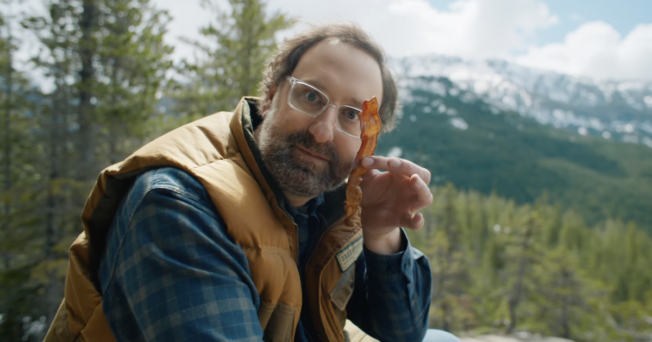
(351, 115)
(311, 96)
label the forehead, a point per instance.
(345, 72)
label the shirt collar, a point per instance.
(308, 209)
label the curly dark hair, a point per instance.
(286, 58)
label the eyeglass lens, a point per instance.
(311, 101)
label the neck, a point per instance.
(297, 201)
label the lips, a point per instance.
(312, 154)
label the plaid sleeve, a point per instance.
(170, 272)
(392, 295)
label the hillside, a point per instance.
(467, 141)
(533, 270)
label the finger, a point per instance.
(422, 191)
(414, 222)
(371, 173)
(396, 166)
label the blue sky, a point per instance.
(622, 15)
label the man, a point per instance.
(231, 228)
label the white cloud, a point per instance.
(468, 28)
(597, 50)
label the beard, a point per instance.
(296, 174)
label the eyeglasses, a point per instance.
(310, 101)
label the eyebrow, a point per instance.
(316, 83)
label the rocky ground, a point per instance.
(519, 337)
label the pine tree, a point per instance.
(448, 265)
(230, 58)
(107, 62)
(522, 255)
(133, 62)
(58, 134)
(19, 173)
(568, 300)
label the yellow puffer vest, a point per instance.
(217, 150)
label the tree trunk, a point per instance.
(52, 288)
(247, 34)
(517, 292)
(86, 140)
(565, 326)
(565, 314)
(7, 150)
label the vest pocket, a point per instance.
(341, 294)
(277, 322)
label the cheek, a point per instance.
(348, 152)
(278, 124)
(291, 121)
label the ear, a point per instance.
(268, 100)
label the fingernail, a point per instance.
(367, 161)
(394, 163)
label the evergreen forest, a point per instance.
(532, 228)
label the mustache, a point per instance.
(307, 141)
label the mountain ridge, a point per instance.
(610, 108)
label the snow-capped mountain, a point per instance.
(618, 109)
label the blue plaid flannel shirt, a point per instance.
(171, 273)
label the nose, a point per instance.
(323, 128)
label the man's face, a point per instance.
(309, 156)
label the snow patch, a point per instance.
(647, 141)
(394, 152)
(632, 139)
(459, 123)
(648, 101)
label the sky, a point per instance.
(602, 39)
(598, 39)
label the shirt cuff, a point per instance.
(385, 267)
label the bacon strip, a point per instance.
(370, 125)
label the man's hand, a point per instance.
(390, 200)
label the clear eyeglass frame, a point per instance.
(293, 81)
